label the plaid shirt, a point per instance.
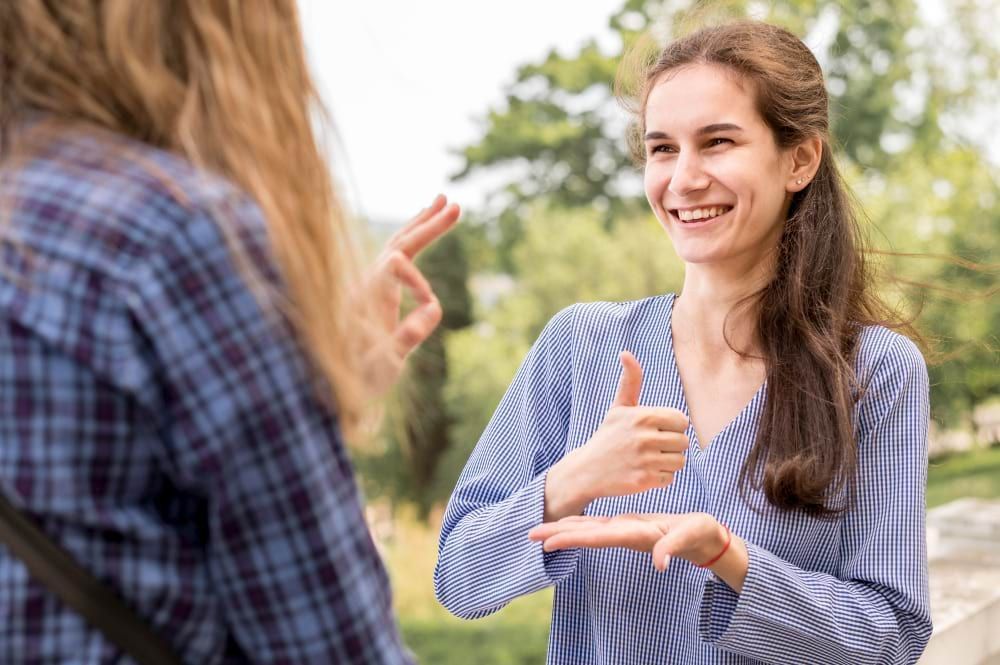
(162, 429)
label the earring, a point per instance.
(799, 181)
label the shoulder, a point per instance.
(604, 317)
(883, 351)
(584, 328)
(889, 367)
(104, 202)
(110, 233)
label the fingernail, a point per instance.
(666, 562)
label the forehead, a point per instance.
(697, 95)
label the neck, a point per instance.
(710, 294)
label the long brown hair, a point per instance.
(225, 84)
(808, 317)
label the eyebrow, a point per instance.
(707, 129)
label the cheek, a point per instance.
(654, 183)
(770, 195)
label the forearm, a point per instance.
(486, 559)
(810, 616)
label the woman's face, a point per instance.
(714, 176)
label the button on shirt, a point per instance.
(849, 590)
(164, 430)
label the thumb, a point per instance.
(662, 552)
(630, 383)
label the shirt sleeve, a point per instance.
(877, 609)
(294, 568)
(485, 559)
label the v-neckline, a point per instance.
(691, 433)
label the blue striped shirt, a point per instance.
(848, 590)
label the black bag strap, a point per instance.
(80, 590)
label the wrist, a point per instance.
(734, 564)
(563, 495)
(715, 547)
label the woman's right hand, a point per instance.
(388, 348)
(635, 449)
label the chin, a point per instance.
(702, 258)
(691, 253)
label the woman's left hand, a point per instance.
(394, 270)
(697, 537)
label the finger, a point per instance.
(665, 478)
(585, 518)
(416, 239)
(662, 551)
(549, 529)
(658, 441)
(660, 462)
(439, 202)
(630, 382)
(598, 537)
(663, 418)
(652, 478)
(417, 327)
(406, 272)
(661, 520)
(425, 317)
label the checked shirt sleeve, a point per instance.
(485, 559)
(876, 610)
(290, 557)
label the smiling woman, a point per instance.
(766, 441)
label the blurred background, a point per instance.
(507, 108)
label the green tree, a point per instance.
(947, 209)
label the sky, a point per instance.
(409, 82)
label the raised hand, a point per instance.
(394, 269)
(635, 449)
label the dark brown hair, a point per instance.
(822, 293)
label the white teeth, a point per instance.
(701, 213)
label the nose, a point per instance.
(688, 175)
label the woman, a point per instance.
(183, 337)
(767, 434)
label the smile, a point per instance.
(699, 216)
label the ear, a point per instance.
(804, 162)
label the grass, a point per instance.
(518, 634)
(973, 474)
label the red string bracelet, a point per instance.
(725, 548)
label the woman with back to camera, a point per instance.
(761, 435)
(184, 337)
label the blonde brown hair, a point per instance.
(225, 84)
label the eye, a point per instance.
(662, 148)
(718, 141)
